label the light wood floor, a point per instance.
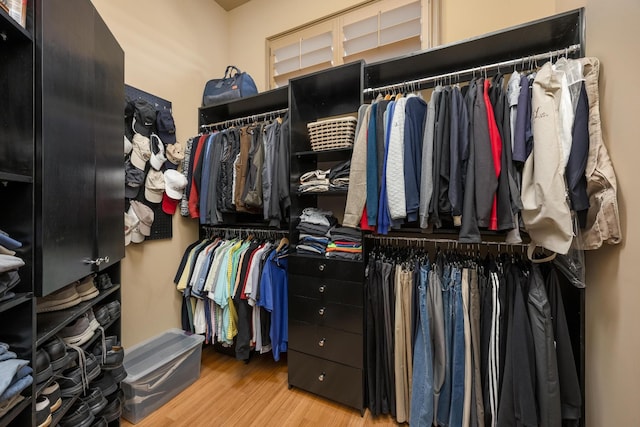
(231, 393)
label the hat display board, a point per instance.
(162, 223)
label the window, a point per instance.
(374, 32)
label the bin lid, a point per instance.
(149, 355)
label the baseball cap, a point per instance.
(133, 179)
(128, 146)
(130, 222)
(136, 235)
(129, 109)
(175, 183)
(145, 215)
(157, 152)
(154, 186)
(141, 152)
(144, 117)
(166, 127)
(175, 155)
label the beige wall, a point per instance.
(613, 291)
(462, 19)
(171, 49)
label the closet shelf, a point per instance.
(322, 257)
(326, 155)
(45, 384)
(66, 405)
(51, 323)
(13, 413)
(97, 334)
(15, 177)
(323, 193)
(17, 300)
(11, 29)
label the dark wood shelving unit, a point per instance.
(20, 298)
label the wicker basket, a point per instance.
(332, 134)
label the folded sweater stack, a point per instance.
(314, 227)
(346, 243)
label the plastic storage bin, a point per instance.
(158, 369)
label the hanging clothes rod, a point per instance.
(245, 120)
(212, 231)
(417, 84)
(397, 239)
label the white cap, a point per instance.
(157, 152)
(175, 183)
(130, 223)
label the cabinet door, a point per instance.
(65, 222)
(109, 96)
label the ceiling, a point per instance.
(230, 4)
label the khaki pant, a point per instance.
(402, 344)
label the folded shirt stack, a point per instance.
(15, 376)
(9, 265)
(346, 243)
(314, 227)
(320, 181)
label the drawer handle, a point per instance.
(321, 311)
(322, 288)
(321, 342)
(321, 377)
(321, 267)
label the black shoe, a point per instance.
(114, 309)
(105, 382)
(103, 282)
(113, 359)
(100, 422)
(52, 392)
(92, 366)
(118, 373)
(57, 352)
(43, 412)
(102, 315)
(95, 400)
(43, 366)
(70, 382)
(78, 416)
(113, 410)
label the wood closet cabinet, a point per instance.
(61, 169)
(326, 296)
(79, 176)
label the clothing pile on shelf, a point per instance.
(236, 289)
(346, 243)
(238, 170)
(15, 376)
(321, 181)
(9, 265)
(492, 155)
(458, 340)
(314, 229)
